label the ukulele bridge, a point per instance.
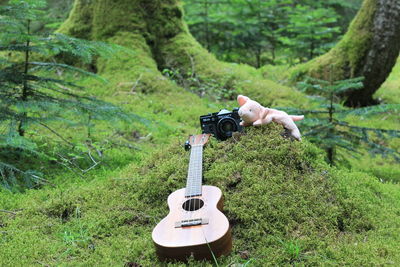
(191, 222)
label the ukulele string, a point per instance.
(191, 175)
(198, 170)
(199, 162)
(194, 182)
(190, 180)
(194, 174)
(194, 177)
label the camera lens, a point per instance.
(226, 127)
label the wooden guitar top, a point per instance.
(194, 226)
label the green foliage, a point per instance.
(347, 55)
(56, 12)
(310, 32)
(36, 94)
(328, 125)
(268, 32)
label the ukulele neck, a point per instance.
(195, 172)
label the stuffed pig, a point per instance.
(252, 113)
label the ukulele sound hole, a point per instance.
(193, 204)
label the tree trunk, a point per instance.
(143, 26)
(369, 48)
(157, 33)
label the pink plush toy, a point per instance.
(252, 113)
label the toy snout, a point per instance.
(249, 110)
(247, 114)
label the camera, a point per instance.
(221, 124)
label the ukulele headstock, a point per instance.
(198, 140)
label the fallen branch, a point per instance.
(57, 134)
(7, 211)
(136, 84)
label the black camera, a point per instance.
(221, 124)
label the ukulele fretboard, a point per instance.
(195, 172)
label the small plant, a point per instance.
(292, 249)
(77, 234)
(328, 125)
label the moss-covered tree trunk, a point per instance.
(369, 48)
(153, 20)
(160, 38)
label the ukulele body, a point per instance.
(194, 226)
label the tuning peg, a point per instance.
(187, 145)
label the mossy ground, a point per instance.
(390, 89)
(286, 206)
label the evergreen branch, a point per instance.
(394, 133)
(8, 22)
(316, 80)
(349, 148)
(383, 150)
(8, 174)
(349, 81)
(13, 140)
(41, 79)
(50, 66)
(20, 48)
(342, 88)
(57, 134)
(317, 130)
(304, 86)
(64, 91)
(301, 111)
(336, 107)
(60, 43)
(372, 110)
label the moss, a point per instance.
(184, 53)
(389, 91)
(79, 22)
(343, 61)
(156, 32)
(279, 196)
(100, 20)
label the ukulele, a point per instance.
(195, 224)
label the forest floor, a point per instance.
(285, 204)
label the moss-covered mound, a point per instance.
(279, 194)
(284, 203)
